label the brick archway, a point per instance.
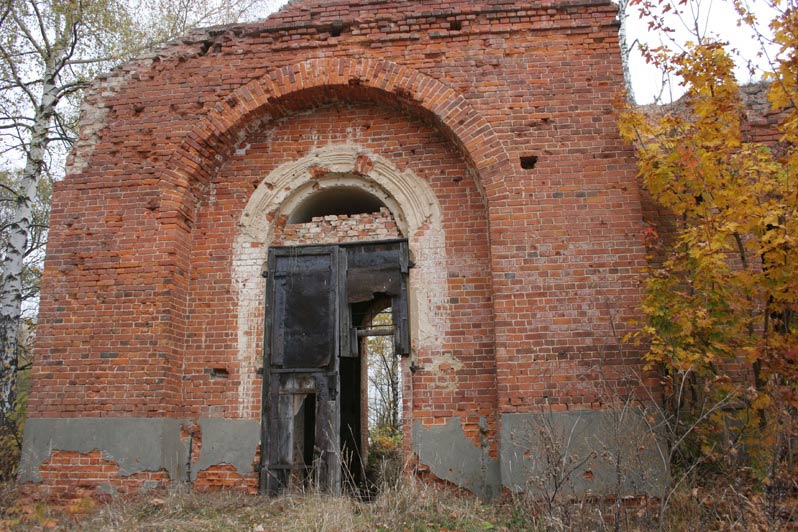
(413, 204)
(214, 139)
(198, 157)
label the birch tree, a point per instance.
(626, 47)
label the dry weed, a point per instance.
(408, 505)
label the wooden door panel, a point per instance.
(304, 291)
(308, 291)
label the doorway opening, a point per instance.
(383, 398)
(304, 429)
(337, 323)
(371, 400)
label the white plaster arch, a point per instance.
(410, 199)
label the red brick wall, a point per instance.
(542, 264)
(410, 144)
(760, 122)
(225, 476)
(69, 474)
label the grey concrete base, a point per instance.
(450, 455)
(581, 452)
(140, 444)
(604, 452)
(227, 441)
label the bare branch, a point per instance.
(42, 50)
(40, 21)
(21, 83)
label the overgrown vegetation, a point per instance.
(722, 302)
(408, 505)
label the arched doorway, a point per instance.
(328, 277)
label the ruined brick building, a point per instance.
(241, 202)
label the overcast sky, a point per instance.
(716, 17)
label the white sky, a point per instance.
(716, 17)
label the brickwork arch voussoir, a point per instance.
(218, 132)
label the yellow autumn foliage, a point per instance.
(722, 303)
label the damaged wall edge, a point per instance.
(451, 456)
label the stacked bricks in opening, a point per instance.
(338, 228)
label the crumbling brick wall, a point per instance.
(488, 130)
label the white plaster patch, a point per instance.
(249, 286)
(447, 365)
(428, 291)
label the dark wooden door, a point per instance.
(309, 290)
(300, 431)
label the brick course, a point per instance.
(69, 474)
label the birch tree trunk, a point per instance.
(18, 231)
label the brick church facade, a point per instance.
(240, 202)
